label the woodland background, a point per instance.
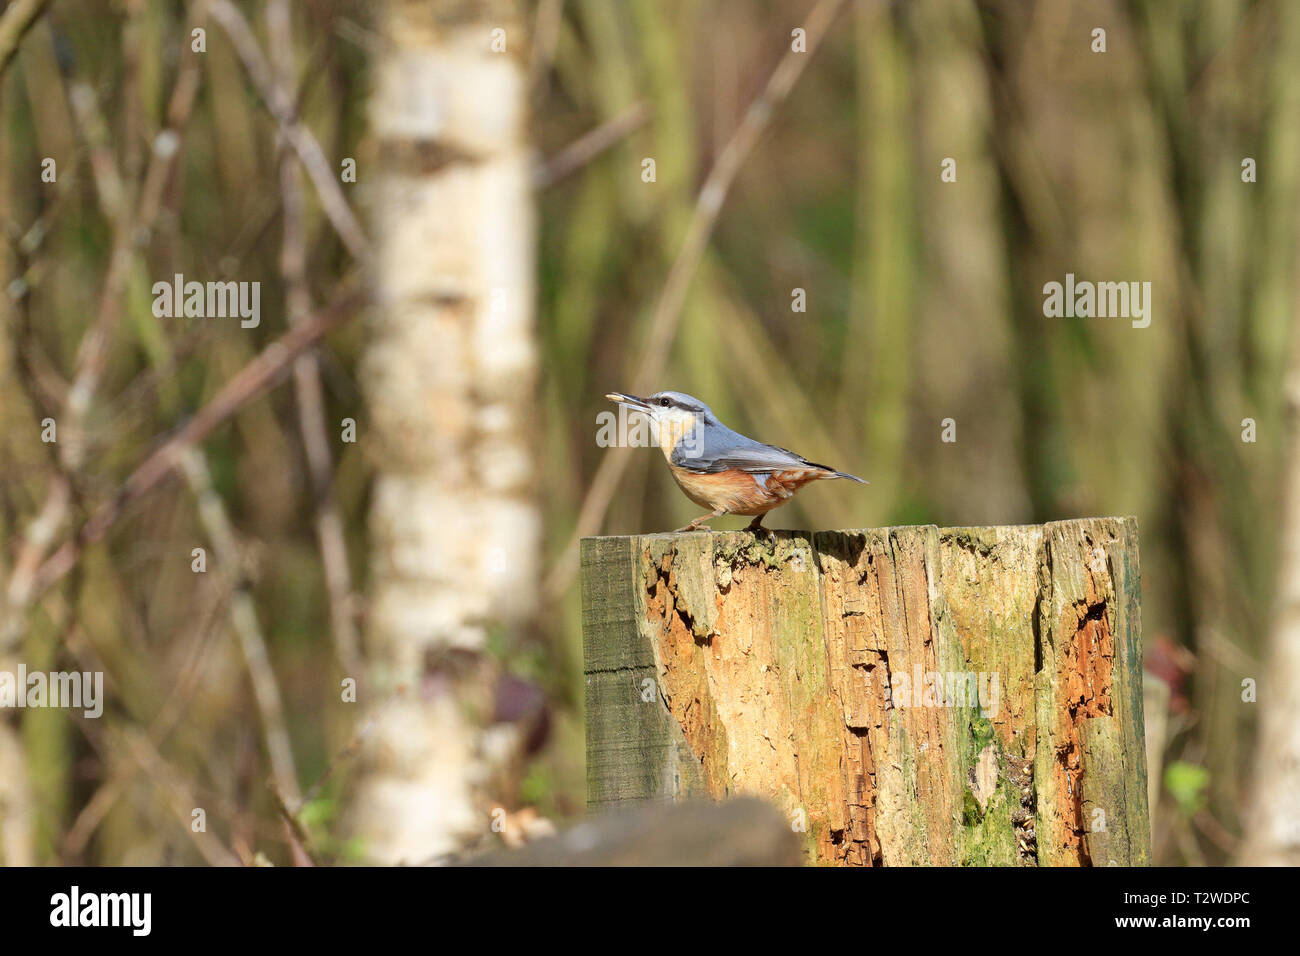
(433, 559)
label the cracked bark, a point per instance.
(802, 672)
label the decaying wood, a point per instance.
(906, 695)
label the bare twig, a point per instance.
(92, 351)
(14, 22)
(178, 699)
(110, 189)
(300, 843)
(176, 791)
(243, 616)
(251, 381)
(167, 144)
(667, 314)
(352, 748)
(590, 145)
(147, 383)
(134, 747)
(280, 105)
(91, 355)
(307, 381)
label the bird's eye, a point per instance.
(664, 402)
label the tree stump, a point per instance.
(913, 695)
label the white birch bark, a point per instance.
(1273, 825)
(448, 376)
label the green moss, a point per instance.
(743, 548)
(981, 735)
(972, 539)
(988, 836)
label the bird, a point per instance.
(718, 468)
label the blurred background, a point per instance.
(791, 253)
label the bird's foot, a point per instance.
(695, 525)
(756, 526)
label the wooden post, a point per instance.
(913, 695)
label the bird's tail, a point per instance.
(838, 474)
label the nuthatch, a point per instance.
(718, 468)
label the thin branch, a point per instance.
(300, 844)
(243, 616)
(167, 144)
(250, 382)
(307, 381)
(179, 697)
(91, 355)
(590, 145)
(280, 105)
(135, 744)
(14, 22)
(352, 748)
(93, 348)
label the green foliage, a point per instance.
(1188, 784)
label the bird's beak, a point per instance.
(631, 401)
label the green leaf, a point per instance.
(1187, 783)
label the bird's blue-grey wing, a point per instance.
(718, 448)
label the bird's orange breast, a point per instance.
(741, 492)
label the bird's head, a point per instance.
(672, 414)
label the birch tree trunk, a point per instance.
(448, 377)
(1272, 829)
(1273, 826)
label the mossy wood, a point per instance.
(914, 695)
